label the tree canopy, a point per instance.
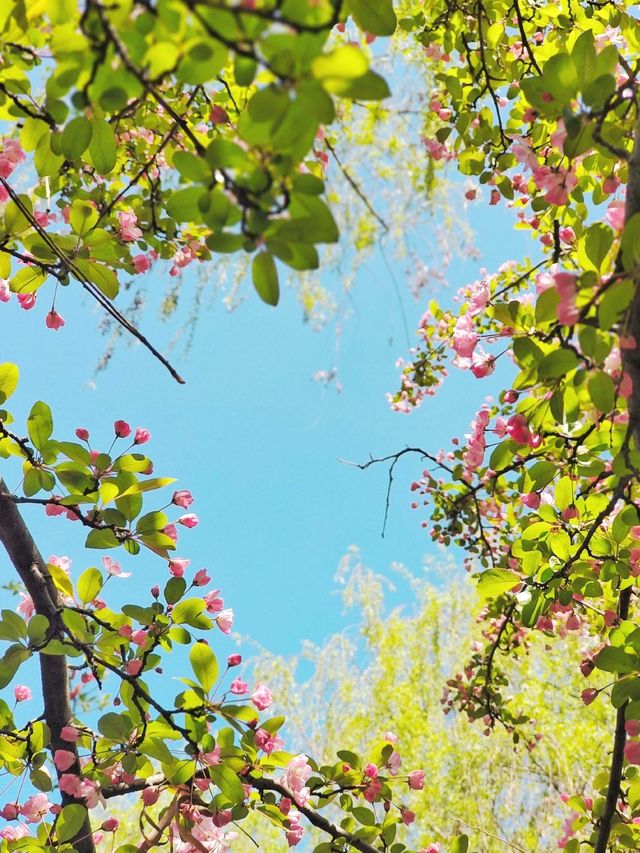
(182, 130)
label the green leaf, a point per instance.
(614, 659)
(558, 363)
(27, 280)
(374, 16)
(148, 485)
(204, 665)
(9, 375)
(343, 63)
(76, 137)
(102, 276)
(40, 424)
(370, 87)
(564, 493)
(174, 590)
(105, 538)
(115, 726)
(265, 278)
(602, 391)
(82, 217)
(89, 585)
(70, 822)
(495, 582)
(229, 784)
(102, 149)
(460, 844)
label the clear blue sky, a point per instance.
(257, 441)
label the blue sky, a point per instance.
(256, 440)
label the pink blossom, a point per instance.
(139, 637)
(224, 620)
(218, 115)
(10, 811)
(464, 337)
(35, 808)
(114, 568)
(267, 742)
(27, 300)
(524, 154)
(141, 263)
(13, 833)
(615, 215)
(262, 697)
(632, 752)
(5, 292)
(63, 759)
(393, 763)
(202, 579)
(557, 182)
(171, 531)
(610, 184)
(371, 770)
(295, 777)
(121, 429)
(141, 436)
(133, 667)
(568, 313)
(150, 795)
(182, 498)
(211, 758)
(295, 831)
(482, 364)
(53, 320)
(69, 733)
(372, 791)
(129, 232)
(518, 430)
(213, 602)
(21, 693)
(239, 687)
(532, 500)
(177, 566)
(632, 728)
(416, 780)
(26, 606)
(190, 520)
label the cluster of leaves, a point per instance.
(540, 104)
(202, 758)
(195, 120)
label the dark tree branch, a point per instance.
(54, 675)
(617, 755)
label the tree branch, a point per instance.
(54, 676)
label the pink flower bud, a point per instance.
(63, 759)
(589, 695)
(141, 436)
(632, 752)
(82, 434)
(218, 115)
(53, 320)
(110, 824)
(234, 660)
(511, 396)
(21, 693)
(121, 429)
(190, 519)
(150, 795)
(416, 780)
(182, 498)
(201, 578)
